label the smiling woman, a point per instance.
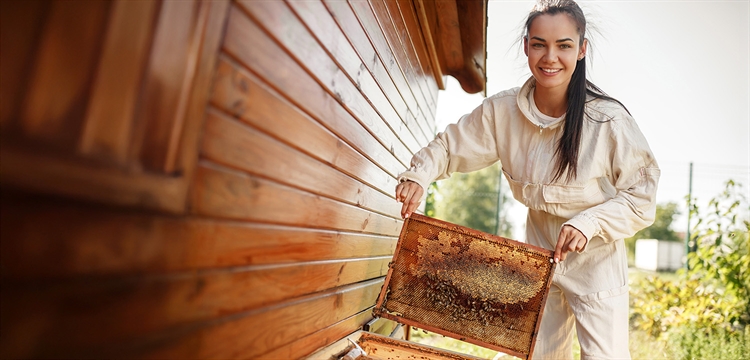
(577, 159)
(553, 55)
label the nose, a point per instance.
(550, 55)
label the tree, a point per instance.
(661, 229)
(471, 200)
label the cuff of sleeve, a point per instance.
(586, 225)
(412, 176)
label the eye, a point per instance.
(537, 46)
(565, 46)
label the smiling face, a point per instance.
(552, 46)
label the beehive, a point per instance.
(466, 284)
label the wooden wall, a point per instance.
(202, 179)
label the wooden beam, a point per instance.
(449, 33)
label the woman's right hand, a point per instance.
(409, 193)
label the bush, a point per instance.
(705, 313)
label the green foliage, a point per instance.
(705, 312)
(691, 342)
(446, 343)
(429, 204)
(471, 200)
(661, 229)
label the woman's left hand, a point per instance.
(570, 239)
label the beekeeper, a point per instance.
(577, 159)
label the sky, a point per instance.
(682, 68)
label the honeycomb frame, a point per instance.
(466, 284)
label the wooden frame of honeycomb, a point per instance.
(466, 284)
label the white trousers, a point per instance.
(588, 291)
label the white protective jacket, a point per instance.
(612, 197)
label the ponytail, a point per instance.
(570, 142)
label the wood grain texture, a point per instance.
(429, 25)
(244, 96)
(322, 26)
(408, 11)
(54, 105)
(109, 118)
(80, 240)
(285, 29)
(336, 62)
(406, 42)
(259, 332)
(52, 163)
(251, 47)
(394, 31)
(382, 66)
(171, 71)
(21, 23)
(229, 142)
(320, 339)
(450, 34)
(381, 33)
(61, 175)
(77, 316)
(232, 195)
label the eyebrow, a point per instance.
(558, 41)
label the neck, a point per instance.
(551, 102)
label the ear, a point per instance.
(583, 49)
(526, 45)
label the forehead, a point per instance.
(553, 27)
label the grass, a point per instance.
(443, 342)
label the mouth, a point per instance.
(550, 71)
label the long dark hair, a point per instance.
(578, 89)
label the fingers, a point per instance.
(409, 193)
(570, 239)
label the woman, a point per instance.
(576, 158)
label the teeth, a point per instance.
(550, 70)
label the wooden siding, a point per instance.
(203, 179)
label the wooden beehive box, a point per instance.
(466, 284)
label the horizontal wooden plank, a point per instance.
(325, 30)
(75, 317)
(307, 95)
(395, 32)
(32, 170)
(247, 43)
(230, 142)
(408, 11)
(259, 332)
(321, 339)
(356, 90)
(406, 40)
(395, 59)
(243, 95)
(336, 63)
(233, 195)
(78, 240)
(350, 25)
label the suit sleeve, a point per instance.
(465, 146)
(636, 175)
